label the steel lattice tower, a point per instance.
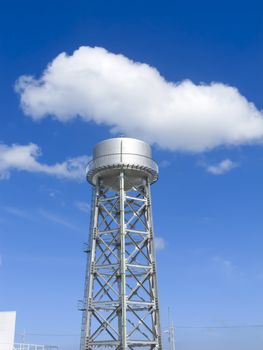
(121, 308)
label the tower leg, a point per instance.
(121, 299)
(122, 258)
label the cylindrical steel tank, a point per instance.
(132, 156)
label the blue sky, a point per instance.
(208, 200)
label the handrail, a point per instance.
(117, 158)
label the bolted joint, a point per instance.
(153, 267)
(89, 304)
(92, 268)
(95, 233)
(148, 200)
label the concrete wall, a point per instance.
(7, 330)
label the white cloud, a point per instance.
(159, 243)
(164, 163)
(134, 99)
(58, 220)
(19, 213)
(83, 206)
(221, 168)
(226, 266)
(25, 158)
(47, 215)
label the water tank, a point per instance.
(132, 156)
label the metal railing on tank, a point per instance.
(118, 158)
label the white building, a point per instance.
(7, 330)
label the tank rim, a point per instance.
(92, 173)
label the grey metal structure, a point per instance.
(23, 346)
(121, 308)
(170, 331)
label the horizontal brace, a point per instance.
(138, 303)
(104, 274)
(136, 198)
(103, 267)
(117, 303)
(111, 343)
(107, 231)
(138, 231)
(107, 199)
(104, 343)
(136, 266)
(106, 308)
(108, 302)
(141, 342)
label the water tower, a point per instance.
(121, 308)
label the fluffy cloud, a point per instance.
(25, 157)
(134, 99)
(221, 168)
